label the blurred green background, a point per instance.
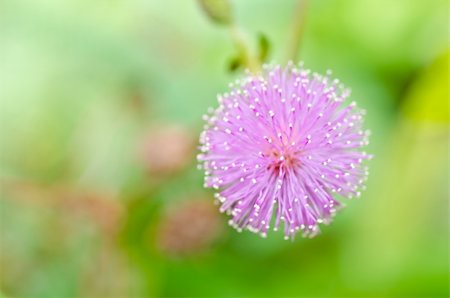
(101, 105)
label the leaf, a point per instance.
(234, 64)
(219, 11)
(263, 47)
(427, 99)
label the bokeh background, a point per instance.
(101, 105)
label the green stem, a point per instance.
(297, 29)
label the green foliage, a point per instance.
(264, 47)
(428, 99)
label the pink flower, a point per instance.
(284, 145)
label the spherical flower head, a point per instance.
(281, 147)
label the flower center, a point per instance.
(282, 159)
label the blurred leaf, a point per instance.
(263, 47)
(219, 11)
(428, 97)
(234, 64)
